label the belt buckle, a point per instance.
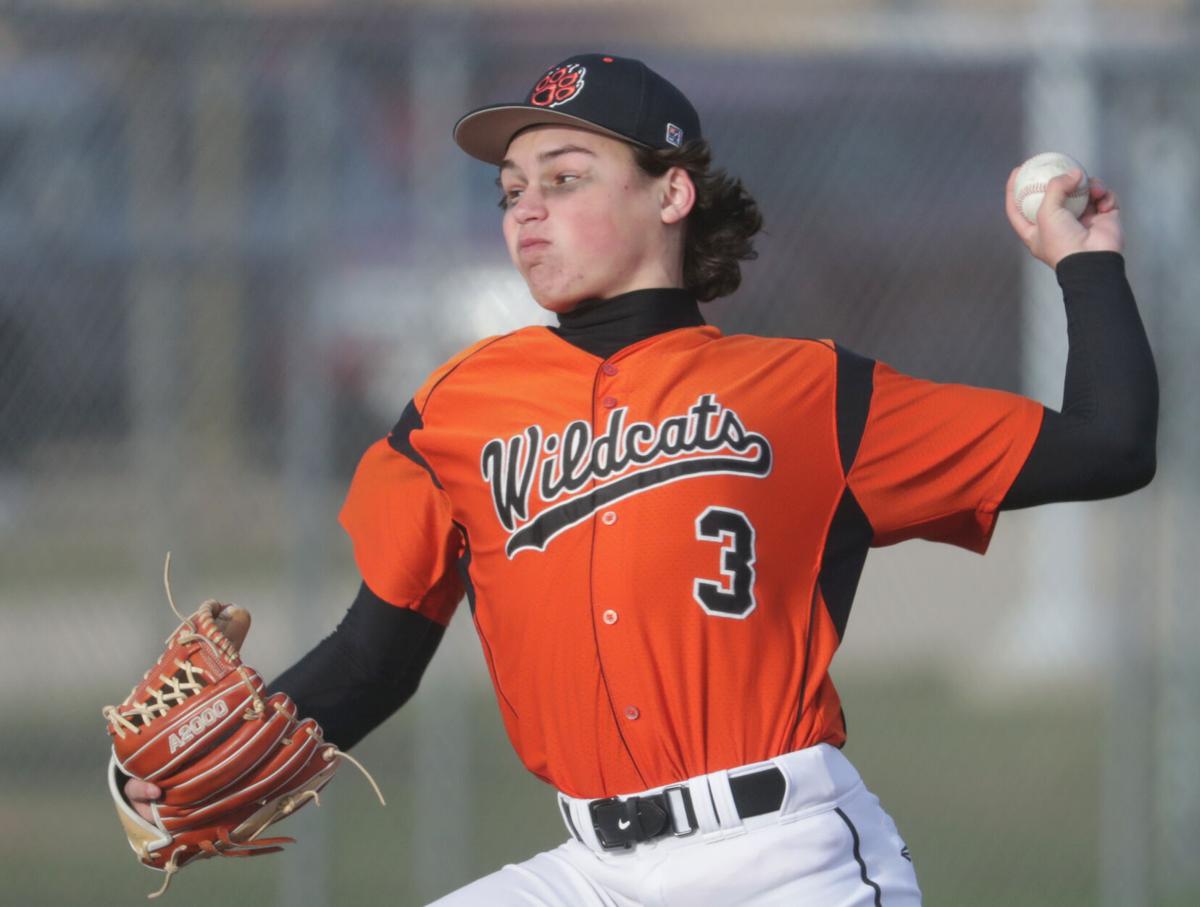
(685, 794)
(603, 813)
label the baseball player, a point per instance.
(658, 529)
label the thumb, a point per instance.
(1059, 188)
(234, 622)
(136, 790)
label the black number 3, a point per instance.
(734, 595)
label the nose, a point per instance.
(529, 206)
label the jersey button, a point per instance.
(609, 369)
(610, 616)
(631, 712)
(609, 402)
(609, 517)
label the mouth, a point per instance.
(531, 248)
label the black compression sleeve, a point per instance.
(1102, 444)
(364, 671)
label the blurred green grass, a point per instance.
(998, 805)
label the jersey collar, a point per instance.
(604, 326)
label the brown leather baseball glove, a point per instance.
(229, 759)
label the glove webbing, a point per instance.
(177, 689)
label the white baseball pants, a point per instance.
(829, 845)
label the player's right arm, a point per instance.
(939, 461)
(1102, 442)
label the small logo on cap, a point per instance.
(674, 135)
(558, 86)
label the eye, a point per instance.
(508, 198)
(565, 178)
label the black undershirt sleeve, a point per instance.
(1102, 443)
(360, 674)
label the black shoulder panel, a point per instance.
(855, 385)
(410, 421)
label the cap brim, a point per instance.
(486, 133)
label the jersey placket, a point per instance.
(612, 644)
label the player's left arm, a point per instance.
(1102, 442)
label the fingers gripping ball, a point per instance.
(229, 759)
(1035, 173)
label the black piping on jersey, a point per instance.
(463, 564)
(858, 858)
(450, 371)
(808, 638)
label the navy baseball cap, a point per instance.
(616, 96)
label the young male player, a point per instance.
(659, 529)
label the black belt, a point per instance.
(621, 823)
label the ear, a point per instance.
(678, 195)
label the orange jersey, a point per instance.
(660, 549)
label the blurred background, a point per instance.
(236, 236)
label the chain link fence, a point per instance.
(236, 240)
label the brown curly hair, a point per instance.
(721, 225)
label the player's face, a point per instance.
(582, 220)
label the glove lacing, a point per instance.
(175, 689)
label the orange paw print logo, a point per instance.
(558, 86)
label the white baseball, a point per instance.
(1036, 172)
